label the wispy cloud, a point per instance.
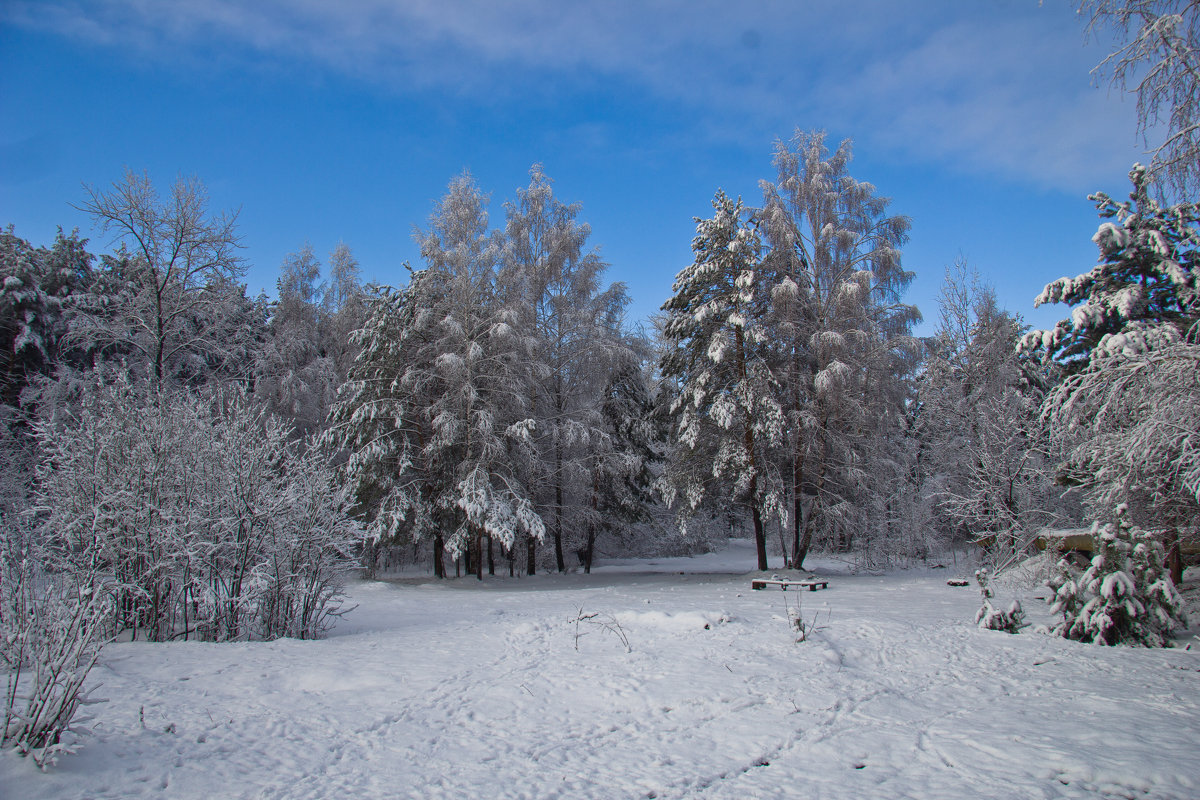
(1000, 89)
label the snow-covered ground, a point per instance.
(483, 690)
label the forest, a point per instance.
(181, 461)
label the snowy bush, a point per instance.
(302, 573)
(1124, 596)
(204, 514)
(1011, 620)
(51, 633)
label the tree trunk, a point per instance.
(760, 537)
(1174, 556)
(801, 552)
(558, 503)
(530, 555)
(797, 559)
(491, 557)
(439, 556)
(590, 547)
(478, 545)
(760, 534)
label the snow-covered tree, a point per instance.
(623, 456)
(1124, 596)
(726, 413)
(574, 326)
(434, 416)
(1157, 56)
(164, 301)
(1009, 620)
(837, 313)
(1128, 431)
(293, 377)
(36, 290)
(343, 307)
(1143, 292)
(379, 420)
(1123, 420)
(987, 468)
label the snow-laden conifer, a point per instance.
(1124, 596)
(1141, 295)
(726, 414)
(1123, 421)
(38, 287)
(1009, 620)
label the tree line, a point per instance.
(500, 400)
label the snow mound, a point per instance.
(681, 622)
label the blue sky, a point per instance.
(330, 121)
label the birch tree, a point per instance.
(573, 325)
(293, 376)
(1157, 57)
(176, 263)
(839, 318)
(343, 310)
(990, 476)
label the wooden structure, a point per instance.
(812, 584)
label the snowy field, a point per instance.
(469, 690)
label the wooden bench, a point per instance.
(812, 584)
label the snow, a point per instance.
(484, 689)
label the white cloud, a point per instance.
(997, 89)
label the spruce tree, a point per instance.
(1124, 596)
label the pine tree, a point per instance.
(1010, 620)
(1123, 420)
(37, 289)
(1142, 294)
(726, 414)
